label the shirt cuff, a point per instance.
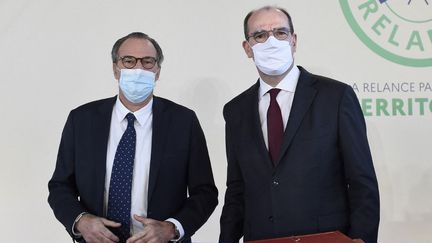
(77, 234)
(178, 226)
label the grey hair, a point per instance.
(137, 35)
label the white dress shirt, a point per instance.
(285, 99)
(140, 179)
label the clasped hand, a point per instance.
(95, 230)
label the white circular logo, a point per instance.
(398, 30)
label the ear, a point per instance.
(294, 43)
(248, 49)
(116, 71)
(157, 74)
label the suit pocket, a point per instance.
(332, 222)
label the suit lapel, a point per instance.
(304, 95)
(101, 129)
(255, 126)
(159, 136)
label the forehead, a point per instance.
(137, 48)
(267, 19)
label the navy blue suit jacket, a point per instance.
(324, 179)
(179, 166)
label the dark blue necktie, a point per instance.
(119, 197)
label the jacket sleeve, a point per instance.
(203, 193)
(63, 195)
(232, 218)
(360, 175)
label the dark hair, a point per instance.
(246, 20)
(137, 35)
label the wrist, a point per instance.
(75, 231)
(179, 228)
(175, 233)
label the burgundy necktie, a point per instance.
(274, 126)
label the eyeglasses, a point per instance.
(263, 35)
(131, 61)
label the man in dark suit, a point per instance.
(135, 167)
(298, 156)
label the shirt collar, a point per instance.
(288, 83)
(141, 115)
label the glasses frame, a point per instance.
(267, 33)
(143, 61)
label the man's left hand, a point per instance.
(154, 231)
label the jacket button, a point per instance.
(270, 218)
(275, 183)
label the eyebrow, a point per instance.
(278, 28)
(137, 57)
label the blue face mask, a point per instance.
(136, 84)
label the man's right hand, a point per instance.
(94, 229)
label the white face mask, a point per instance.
(273, 57)
(136, 84)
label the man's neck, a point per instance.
(132, 106)
(274, 80)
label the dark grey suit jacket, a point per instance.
(179, 166)
(324, 179)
